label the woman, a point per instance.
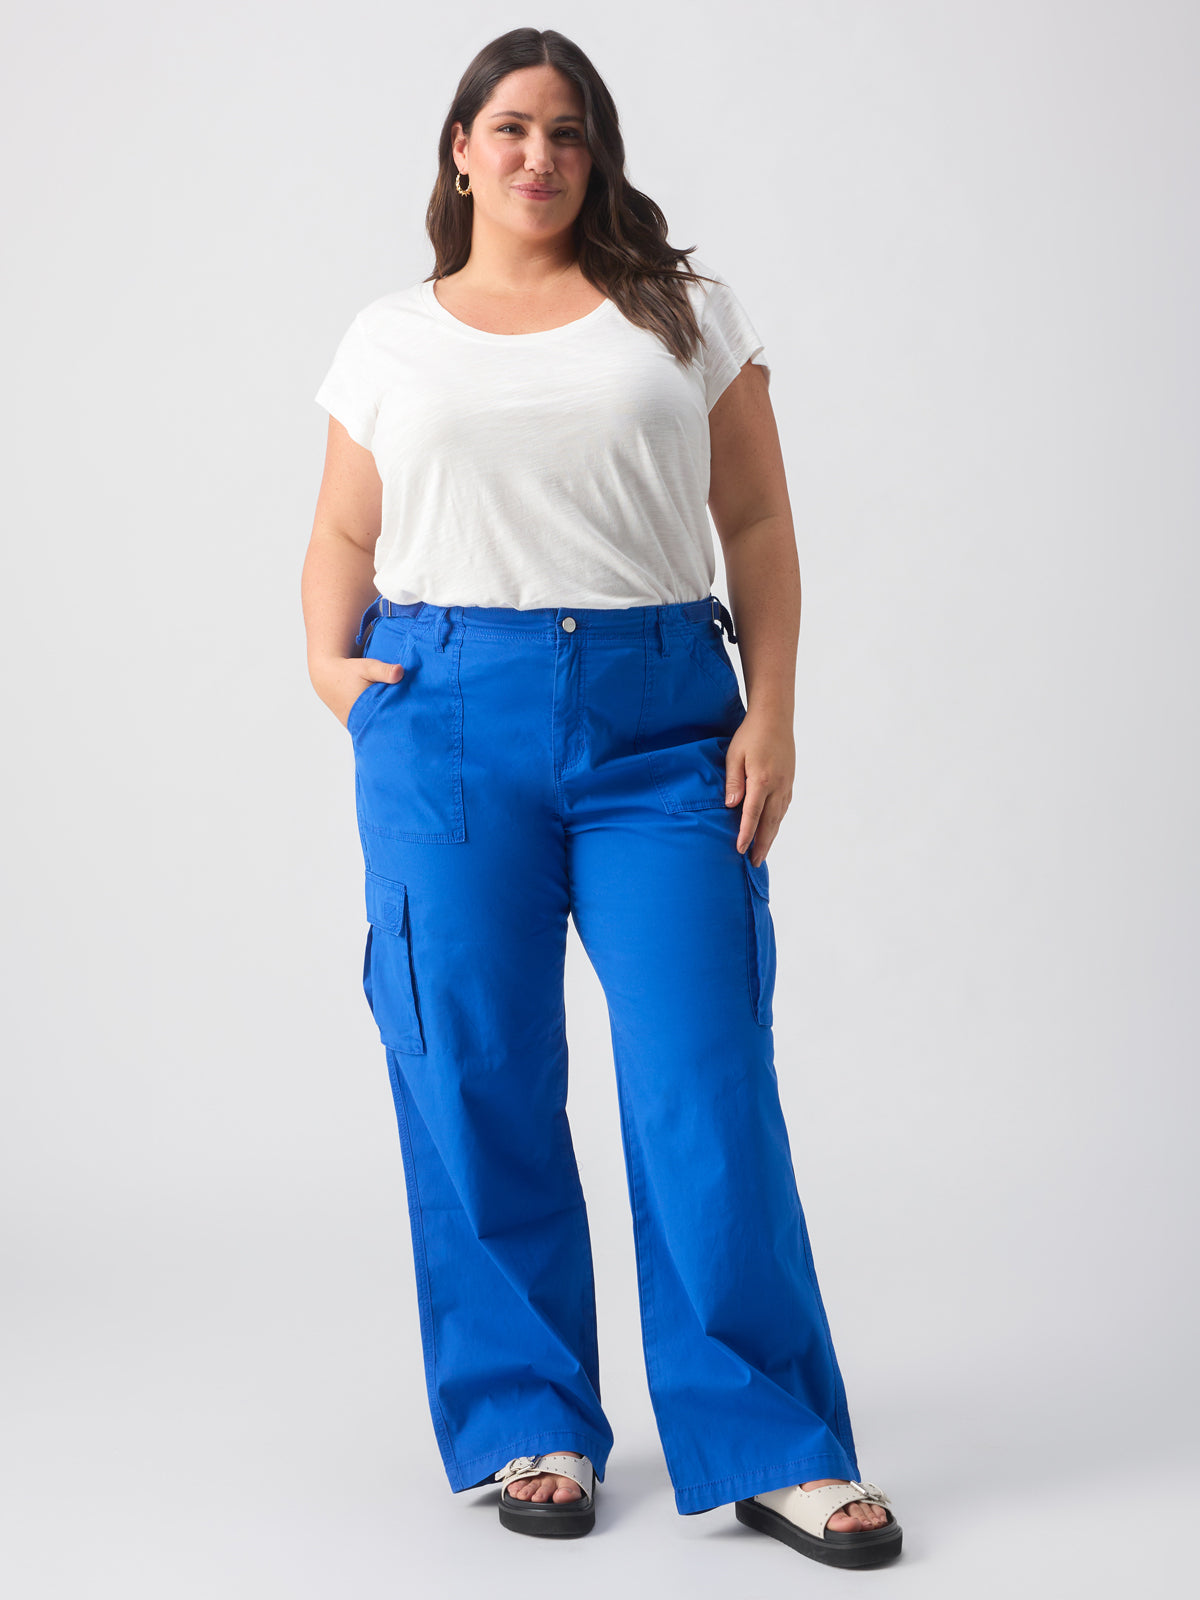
(546, 723)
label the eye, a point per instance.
(504, 128)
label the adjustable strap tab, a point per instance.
(722, 619)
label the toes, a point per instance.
(545, 1487)
(868, 1515)
(858, 1514)
(854, 1515)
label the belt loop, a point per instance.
(385, 606)
(443, 628)
(664, 647)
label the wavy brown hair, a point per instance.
(620, 233)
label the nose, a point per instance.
(537, 161)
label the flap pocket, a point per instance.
(760, 940)
(388, 978)
(387, 903)
(760, 877)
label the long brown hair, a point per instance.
(620, 233)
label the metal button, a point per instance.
(569, 624)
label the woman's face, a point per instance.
(529, 136)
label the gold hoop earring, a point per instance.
(457, 180)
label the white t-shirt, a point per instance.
(567, 467)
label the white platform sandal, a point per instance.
(553, 1519)
(798, 1517)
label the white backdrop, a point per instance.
(967, 234)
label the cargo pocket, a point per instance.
(760, 940)
(388, 980)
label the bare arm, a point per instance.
(337, 582)
(752, 514)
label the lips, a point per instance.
(533, 188)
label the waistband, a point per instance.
(547, 621)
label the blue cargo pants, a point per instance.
(532, 765)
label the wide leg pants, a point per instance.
(532, 765)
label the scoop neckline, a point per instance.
(435, 306)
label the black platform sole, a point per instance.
(545, 1519)
(867, 1547)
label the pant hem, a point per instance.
(477, 1472)
(698, 1497)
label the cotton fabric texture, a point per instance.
(567, 467)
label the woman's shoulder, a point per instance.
(711, 295)
(392, 303)
(386, 325)
(701, 287)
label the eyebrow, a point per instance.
(527, 116)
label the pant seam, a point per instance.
(425, 1296)
(845, 1435)
(645, 1264)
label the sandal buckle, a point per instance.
(871, 1491)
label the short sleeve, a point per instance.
(731, 340)
(350, 390)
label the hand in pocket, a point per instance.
(340, 681)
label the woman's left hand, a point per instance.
(760, 765)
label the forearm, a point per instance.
(336, 586)
(763, 573)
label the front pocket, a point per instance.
(712, 657)
(388, 979)
(408, 744)
(689, 715)
(386, 641)
(359, 710)
(760, 940)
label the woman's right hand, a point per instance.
(339, 680)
